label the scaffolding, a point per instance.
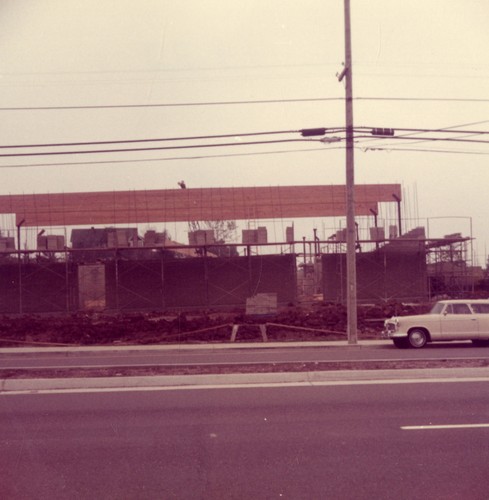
(449, 264)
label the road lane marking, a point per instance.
(437, 427)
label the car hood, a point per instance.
(417, 317)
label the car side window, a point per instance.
(480, 308)
(461, 309)
(457, 309)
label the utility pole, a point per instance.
(351, 275)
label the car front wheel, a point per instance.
(480, 343)
(400, 342)
(417, 338)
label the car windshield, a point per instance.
(437, 308)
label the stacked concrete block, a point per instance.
(453, 236)
(42, 242)
(255, 236)
(289, 234)
(7, 243)
(154, 239)
(150, 238)
(249, 236)
(161, 239)
(51, 242)
(201, 237)
(121, 238)
(413, 241)
(377, 233)
(261, 234)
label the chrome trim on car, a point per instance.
(391, 326)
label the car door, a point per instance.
(482, 312)
(458, 322)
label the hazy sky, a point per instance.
(57, 53)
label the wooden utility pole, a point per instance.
(351, 275)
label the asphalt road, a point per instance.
(188, 356)
(297, 443)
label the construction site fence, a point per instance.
(382, 276)
(120, 280)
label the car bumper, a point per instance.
(389, 334)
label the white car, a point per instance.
(447, 320)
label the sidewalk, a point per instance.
(207, 346)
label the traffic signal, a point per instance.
(309, 132)
(382, 131)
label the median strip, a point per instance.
(438, 427)
(230, 368)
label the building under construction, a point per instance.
(106, 264)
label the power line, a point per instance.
(412, 135)
(226, 144)
(173, 158)
(428, 139)
(126, 150)
(422, 140)
(326, 130)
(165, 70)
(421, 150)
(449, 129)
(159, 139)
(171, 105)
(232, 155)
(423, 99)
(239, 102)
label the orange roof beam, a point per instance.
(182, 205)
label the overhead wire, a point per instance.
(448, 130)
(326, 130)
(159, 139)
(428, 139)
(411, 132)
(423, 140)
(172, 158)
(411, 135)
(239, 102)
(224, 144)
(423, 99)
(422, 150)
(170, 105)
(129, 150)
(255, 153)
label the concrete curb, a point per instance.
(11, 386)
(189, 347)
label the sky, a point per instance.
(185, 68)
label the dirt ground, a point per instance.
(319, 322)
